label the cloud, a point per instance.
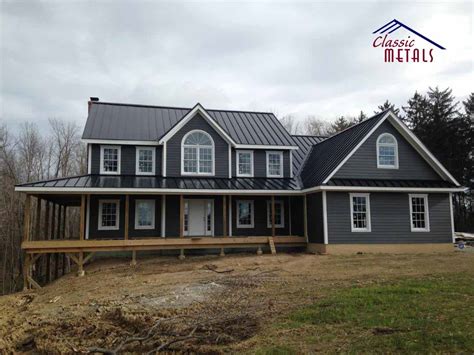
(302, 59)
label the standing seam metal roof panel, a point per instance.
(327, 155)
(113, 121)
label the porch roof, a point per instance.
(96, 183)
(391, 183)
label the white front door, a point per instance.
(198, 217)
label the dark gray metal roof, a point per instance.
(149, 123)
(304, 143)
(327, 155)
(150, 182)
(390, 183)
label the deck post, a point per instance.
(224, 221)
(26, 272)
(58, 236)
(63, 236)
(37, 234)
(53, 232)
(47, 236)
(38, 218)
(134, 258)
(82, 217)
(127, 198)
(27, 218)
(181, 224)
(80, 264)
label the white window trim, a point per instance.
(212, 173)
(117, 226)
(384, 166)
(281, 163)
(251, 225)
(137, 165)
(269, 211)
(427, 213)
(369, 219)
(237, 160)
(137, 226)
(119, 158)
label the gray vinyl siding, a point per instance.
(363, 164)
(297, 215)
(173, 149)
(314, 203)
(260, 217)
(127, 159)
(390, 220)
(260, 162)
(95, 233)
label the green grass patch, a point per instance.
(422, 315)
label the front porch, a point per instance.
(277, 221)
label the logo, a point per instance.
(398, 46)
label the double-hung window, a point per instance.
(109, 159)
(387, 152)
(245, 214)
(197, 152)
(279, 214)
(274, 164)
(144, 214)
(360, 212)
(245, 163)
(145, 161)
(419, 213)
(109, 214)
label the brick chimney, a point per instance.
(89, 103)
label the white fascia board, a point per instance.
(421, 148)
(383, 189)
(119, 142)
(259, 146)
(131, 191)
(197, 109)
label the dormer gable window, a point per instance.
(197, 154)
(387, 152)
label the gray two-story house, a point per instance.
(179, 178)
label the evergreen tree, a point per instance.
(339, 125)
(448, 134)
(387, 105)
(362, 117)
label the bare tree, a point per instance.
(315, 126)
(29, 156)
(291, 124)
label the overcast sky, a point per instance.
(290, 58)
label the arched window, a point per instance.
(387, 151)
(197, 153)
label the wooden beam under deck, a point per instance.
(158, 243)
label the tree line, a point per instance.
(29, 155)
(443, 124)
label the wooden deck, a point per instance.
(158, 243)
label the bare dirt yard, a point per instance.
(289, 303)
